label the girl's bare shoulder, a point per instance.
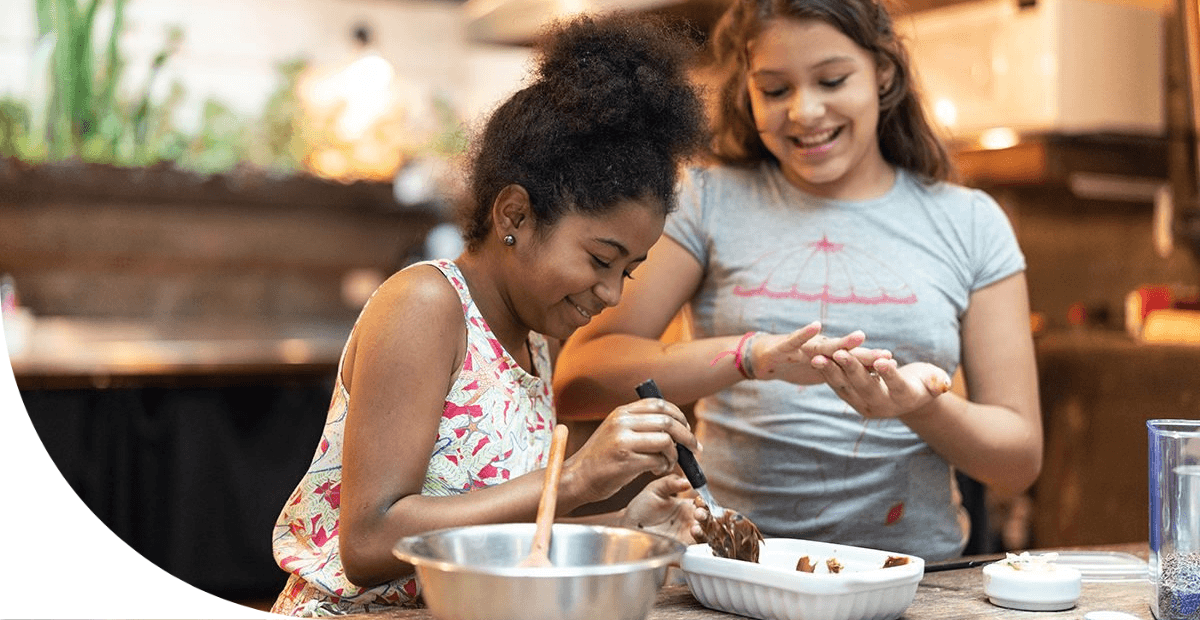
(419, 297)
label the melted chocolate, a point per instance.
(731, 535)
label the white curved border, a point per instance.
(53, 543)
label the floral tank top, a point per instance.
(495, 425)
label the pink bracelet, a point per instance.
(737, 355)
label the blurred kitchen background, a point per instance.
(196, 199)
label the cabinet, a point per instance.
(1098, 388)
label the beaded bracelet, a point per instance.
(747, 357)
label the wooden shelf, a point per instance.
(1053, 159)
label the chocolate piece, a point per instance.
(805, 565)
(895, 560)
(731, 535)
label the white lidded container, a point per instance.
(773, 589)
(1032, 583)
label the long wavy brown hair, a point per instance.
(906, 138)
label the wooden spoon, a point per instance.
(539, 554)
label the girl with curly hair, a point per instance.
(442, 410)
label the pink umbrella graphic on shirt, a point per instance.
(831, 273)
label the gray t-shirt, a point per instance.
(798, 460)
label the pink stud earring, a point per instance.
(510, 240)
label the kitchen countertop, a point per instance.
(59, 352)
(88, 352)
(1088, 341)
(945, 595)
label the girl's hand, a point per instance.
(634, 438)
(661, 508)
(883, 389)
(790, 357)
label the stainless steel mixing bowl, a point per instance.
(599, 573)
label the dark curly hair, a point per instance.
(906, 138)
(610, 115)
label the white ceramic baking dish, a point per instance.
(773, 589)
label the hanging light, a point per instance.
(362, 122)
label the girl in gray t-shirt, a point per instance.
(828, 210)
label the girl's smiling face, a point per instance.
(580, 268)
(815, 98)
